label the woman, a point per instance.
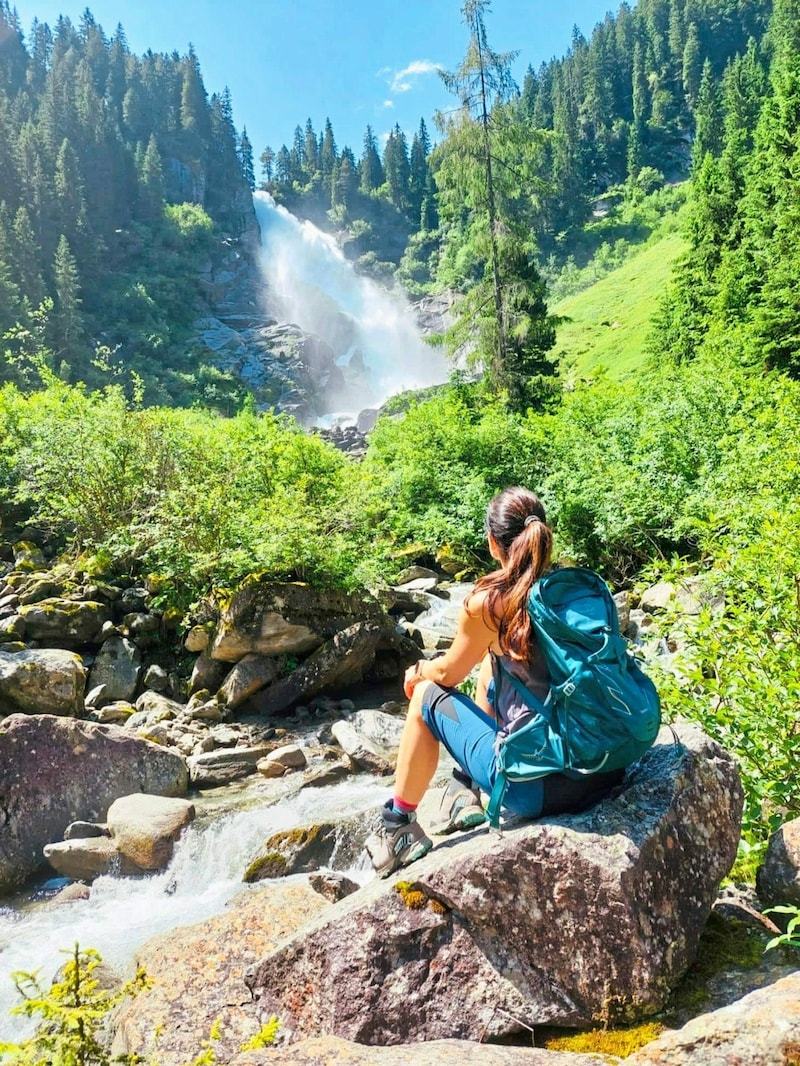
(494, 629)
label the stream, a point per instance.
(205, 872)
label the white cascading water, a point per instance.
(122, 913)
(310, 283)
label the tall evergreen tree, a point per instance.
(371, 169)
(67, 324)
(246, 159)
(327, 151)
(504, 314)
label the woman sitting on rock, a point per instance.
(494, 624)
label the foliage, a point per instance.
(72, 1015)
(791, 938)
(185, 494)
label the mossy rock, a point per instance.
(293, 851)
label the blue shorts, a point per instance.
(469, 734)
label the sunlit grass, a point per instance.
(609, 322)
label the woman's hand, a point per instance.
(413, 676)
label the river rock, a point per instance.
(197, 974)
(156, 678)
(360, 750)
(288, 756)
(197, 639)
(381, 729)
(157, 707)
(65, 622)
(249, 675)
(761, 1029)
(327, 1050)
(214, 768)
(308, 848)
(338, 663)
(270, 618)
(117, 667)
(84, 858)
(555, 922)
(28, 556)
(778, 878)
(12, 628)
(207, 674)
(119, 711)
(54, 771)
(41, 681)
(145, 828)
(333, 886)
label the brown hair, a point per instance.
(515, 517)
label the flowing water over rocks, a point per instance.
(206, 871)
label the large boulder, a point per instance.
(559, 922)
(54, 771)
(41, 681)
(778, 878)
(117, 666)
(325, 1050)
(64, 622)
(197, 975)
(145, 828)
(338, 663)
(270, 618)
(761, 1029)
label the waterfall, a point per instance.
(123, 912)
(373, 333)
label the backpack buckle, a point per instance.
(568, 688)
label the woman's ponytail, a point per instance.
(517, 522)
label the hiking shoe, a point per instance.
(399, 841)
(461, 808)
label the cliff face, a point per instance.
(282, 366)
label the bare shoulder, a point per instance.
(475, 603)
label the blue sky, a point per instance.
(357, 61)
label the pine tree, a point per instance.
(66, 323)
(708, 118)
(775, 222)
(151, 183)
(246, 159)
(327, 152)
(504, 314)
(396, 168)
(267, 160)
(311, 149)
(194, 102)
(25, 254)
(371, 169)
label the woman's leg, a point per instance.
(418, 756)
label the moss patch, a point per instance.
(273, 864)
(617, 1042)
(415, 899)
(725, 944)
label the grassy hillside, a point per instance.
(607, 323)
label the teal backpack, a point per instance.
(602, 712)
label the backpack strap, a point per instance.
(494, 806)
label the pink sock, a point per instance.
(401, 807)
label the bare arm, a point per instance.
(471, 643)
(481, 691)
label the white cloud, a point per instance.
(403, 80)
(388, 103)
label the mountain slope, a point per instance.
(607, 324)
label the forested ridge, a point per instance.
(115, 172)
(687, 466)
